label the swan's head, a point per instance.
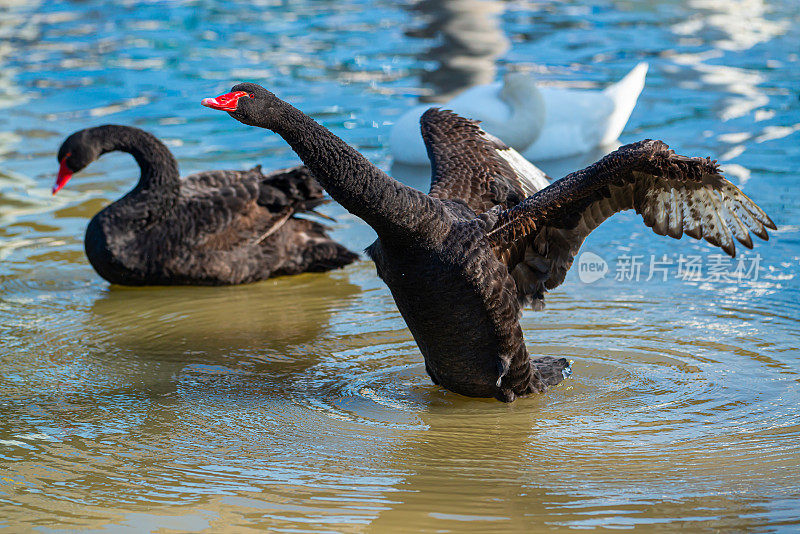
(76, 152)
(249, 103)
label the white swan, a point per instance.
(539, 122)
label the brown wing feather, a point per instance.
(472, 166)
(205, 181)
(674, 194)
(243, 208)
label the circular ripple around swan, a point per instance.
(390, 397)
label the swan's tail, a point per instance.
(624, 94)
(326, 254)
(292, 191)
(294, 187)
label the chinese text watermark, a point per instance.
(686, 267)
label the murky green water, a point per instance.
(301, 403)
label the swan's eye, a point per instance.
(250, 95)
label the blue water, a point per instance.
(302, 403)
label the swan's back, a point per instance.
(540, 122)
(512, 110)
(227, 227)
(580, 120)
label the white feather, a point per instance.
(539, 122)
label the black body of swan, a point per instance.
(491, 236)
(210, 228)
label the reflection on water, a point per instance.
(732, 25)
(468, 40)
(288, 311)
(302, 403)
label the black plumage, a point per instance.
(493, 235)
(210, 228)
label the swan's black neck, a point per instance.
(390, 207)
(159, 171)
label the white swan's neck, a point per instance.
(522, 123)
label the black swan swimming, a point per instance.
(210, 228)
(491, 236)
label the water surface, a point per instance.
(301, 403)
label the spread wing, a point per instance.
(473, 166)
(675, 195)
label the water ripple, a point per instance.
(302, 403)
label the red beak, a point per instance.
(226, 102)
(64, 174)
